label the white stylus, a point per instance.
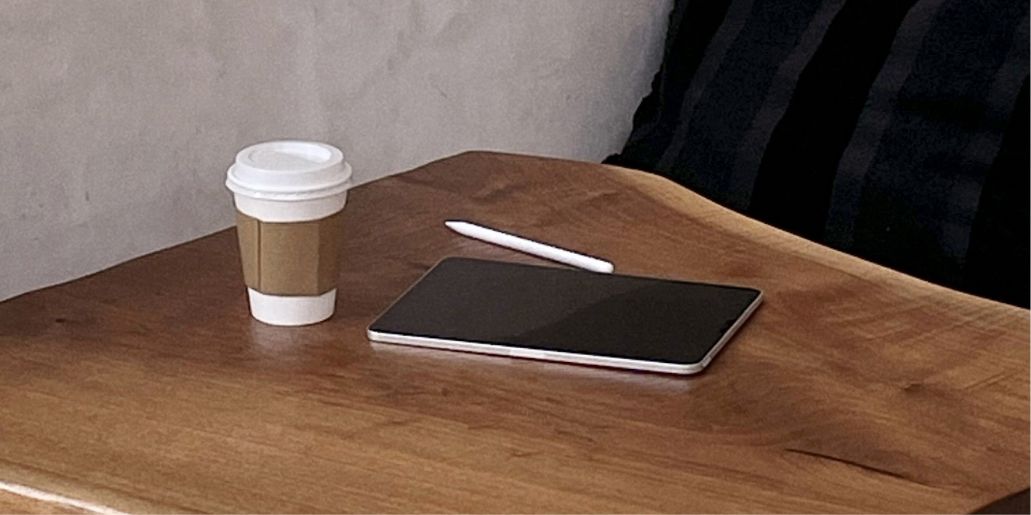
(531, 247)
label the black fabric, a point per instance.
(896, 131)
(997, 262)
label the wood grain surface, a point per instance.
(148, 387)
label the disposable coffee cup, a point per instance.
(289, 198)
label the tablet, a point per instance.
(567, 315)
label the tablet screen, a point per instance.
(556, 309)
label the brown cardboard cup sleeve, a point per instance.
(290, 259)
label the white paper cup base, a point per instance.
(291, 310)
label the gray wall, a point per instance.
(119, 118)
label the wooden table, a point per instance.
(854, 388)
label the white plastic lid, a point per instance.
(288, 171)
